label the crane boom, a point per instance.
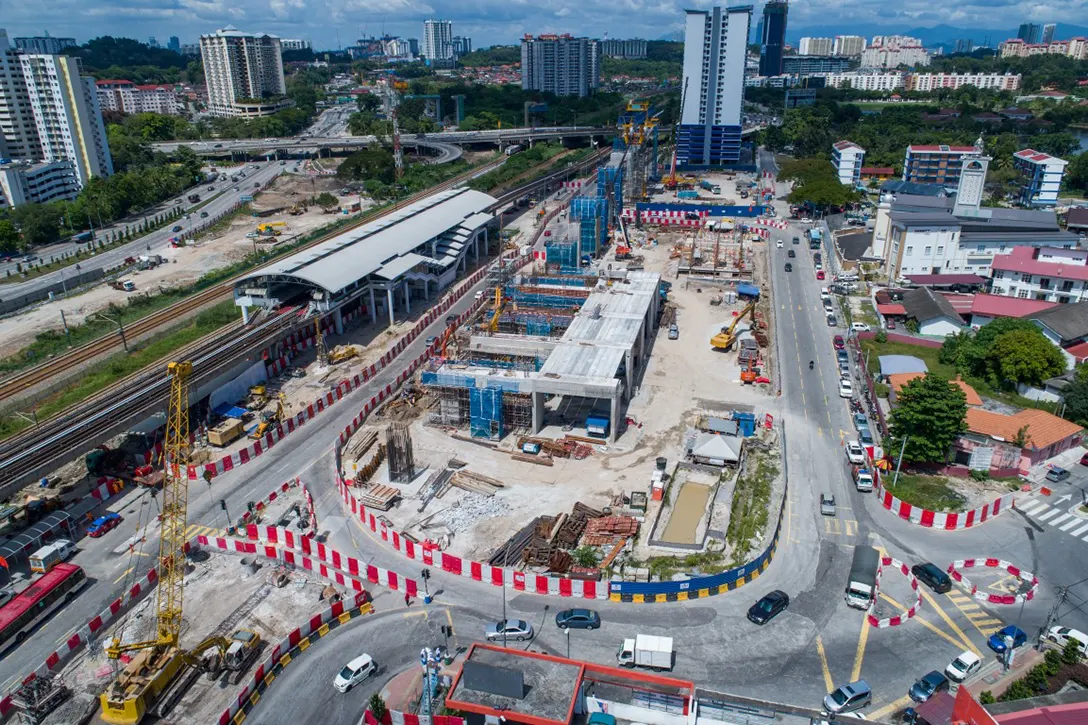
(175, 504)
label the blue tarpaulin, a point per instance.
(227, 410)
(748, 290)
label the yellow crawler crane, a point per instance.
(160, 670)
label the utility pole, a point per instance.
(899, 465)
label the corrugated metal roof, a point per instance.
(400, 265)
(354, 255)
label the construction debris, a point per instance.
(540, 460)
(607, 529)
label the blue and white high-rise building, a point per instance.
(715, 48)
(1040, 177)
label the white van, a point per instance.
(1061, 635)
(49, 556)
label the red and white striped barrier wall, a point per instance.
(83, 636)
(247, 454)
(263, 503)
(899, 618)
(264, 672)
(429, 555)
(942, 520)
(302, 551)
(1025, 576)
(772, 223)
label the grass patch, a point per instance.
(520, 165)
(122, 364)
(665, 567)
(868, 315)
(930, 492)
(751, 500)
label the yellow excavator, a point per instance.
(494, 323)
(725, 339)
(160, 671)
(269, 420)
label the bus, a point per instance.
(45, 595)
(83, 237)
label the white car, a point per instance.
(860, 327)
(1061, 635)
(778, 244)
(846, 388)
(354, 672)
(478, 295)
(965, 665)
(854, 453)
(805, 220)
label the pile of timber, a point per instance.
(540, 459)
(556, 449)
(379, 496)
(362, 444)
(475, 482)
(512, 551)
(546, 541)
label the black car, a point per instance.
(578, 619)
(797, 240)
(768, 607)
(789, 267)
(791, 254)
(933, 577)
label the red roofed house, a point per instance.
(879, 173)
(993, 436)
(1049, 274)
(127, 97)
(936, 164)
(987, 308)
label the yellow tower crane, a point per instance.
(160, 671)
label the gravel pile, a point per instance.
(470, 509)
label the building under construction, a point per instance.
(550, 350)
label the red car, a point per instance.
(1084, 460)
(840, 344)
(819, 274)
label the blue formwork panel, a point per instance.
(485, 413)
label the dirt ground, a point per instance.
(221, 595)
(184, 265)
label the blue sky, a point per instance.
(485, 21)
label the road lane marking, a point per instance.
(1079, 531)
(123, 575)
(1071, 524)
(859, 656)
(1048, 514)
(968, 607)
(924, 622)
(890, 708)
(1033, 508)
(418, 613)
(831, 526)
(1060, 519)
(823, 664)
(948, 620)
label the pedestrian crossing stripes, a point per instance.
(1062, 519)
(979, 618)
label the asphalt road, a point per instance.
(332, 122)
(222, 198)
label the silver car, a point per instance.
(515, 629)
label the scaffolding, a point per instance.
(485, 413)
(564, 255)
(563, 299)
(592, 214)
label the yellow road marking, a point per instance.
(890, 708)
(417, 613)
(940, 633)
(980, 619)
(449, 618)
(789, 515)
(948, 620)
(123, 575)
(863, 639)
(823, 663)
(851, 529)
(831, 526)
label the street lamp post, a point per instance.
(120, 327)
(566, 631)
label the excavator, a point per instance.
(160, 670)
(725, 339)
(494, 323)
(269, 420)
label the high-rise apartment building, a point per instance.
(1048, 32)
(802, 65)
(437, 40)
(462, 45)
(294, 44)
(815, 46)
(66, 114)
(629, 48)
(937, 164)
(25, 182)
(174, 44)
(715, 47)
(964, 45)
(848, 45)
(1030, 33)
(18, 134)
(560, 64)
(191, 49)
(152, 42)
(127, 97)
(773, 40)
(1040, 177)
(45, 44)
(244, 73)
(848, 158)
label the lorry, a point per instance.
(47, 557)
(646, 650)
(815, 237)
(861, 586)
(687, 195)
(711, 187)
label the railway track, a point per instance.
(27, 379)
(53, 441)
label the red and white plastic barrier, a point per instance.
(1026, 576)
(394, 717)
(899, 618)
(942, 520)
(263, 503)
(772, 223)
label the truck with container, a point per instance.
(687, 195)
(646, 650)
(861, 586)
(711, 187)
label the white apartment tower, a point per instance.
(18, 134)
(848, 45)
(848, 158)
(815, 46)
(560, 64)
(244, 73)
(67, 115)
(437, 40)
(715, 49)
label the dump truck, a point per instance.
(861, 586)
(646, 650)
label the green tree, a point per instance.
(377, 707)
(585, 556)
(1076, 173)
(368, 102)
(326, 201)
(372, 163)
(930, 413)
(1024, 356)
(9, 237)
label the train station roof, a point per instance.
(383, 247)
